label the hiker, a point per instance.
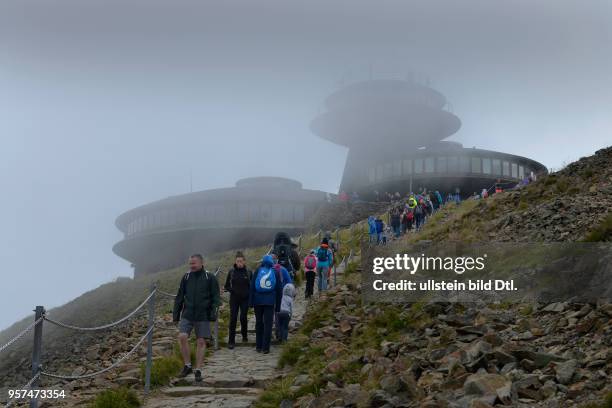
(284, 249)
(395, 222)
(380, 226)
(285, 278)
(238, 284)
(286, 310)
(372, 229)
(419, 215)
(407, 219)
(264, 297)
(412, 202)
(324, 261)
(195, 306)
(332, 245)
(438, 199)
(310, 266)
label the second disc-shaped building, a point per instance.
(395, 133)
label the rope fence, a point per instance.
(106, 326)
(20, 335)
(25, 387)
(41, 316)
(115, 364)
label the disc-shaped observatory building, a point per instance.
(395, 133)
(162, 234)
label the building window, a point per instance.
(379, 172)
(441, 165)
(464, 164)
(397, 168)
(497, 167)
(254, 212)
(407, 166)
(506, 168)
(429, 165)
(476, 165)
(453, 164)
(418, 165)
(265, 211)
(521, 172)
(486, 166)
(243, 212)
(514, 170)
(372, 174)
(388, 170)
(298, 213)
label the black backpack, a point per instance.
(282, 247)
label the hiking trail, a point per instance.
(231, 378)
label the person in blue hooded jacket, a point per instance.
(372, 230)
(264, 296)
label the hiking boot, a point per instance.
(198, 375)
(230, 346)
(186, 371)
(266, 352)
(258, 350)
(245, 339)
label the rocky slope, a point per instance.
(451, 355)
(477, 355)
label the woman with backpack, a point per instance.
(310, 265)
(324, 261)
(266, 288)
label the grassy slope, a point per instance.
(470, 221)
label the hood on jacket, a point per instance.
(267, 261)
(289, 290)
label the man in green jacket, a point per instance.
(195, 306)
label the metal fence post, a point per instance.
(337, 239)
(150, 340)
(36, 351)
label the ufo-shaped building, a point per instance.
(162, 234)
(395, 133)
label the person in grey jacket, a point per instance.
(286, 311)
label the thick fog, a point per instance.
(107, 105)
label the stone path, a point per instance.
(231, 378)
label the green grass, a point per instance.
(605, 403)
(602, 232)
(162, 370)
(276, 393)
(117, 398)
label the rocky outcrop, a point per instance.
(464, 355)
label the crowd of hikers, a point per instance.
(269, 291)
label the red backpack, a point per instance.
(310, 262)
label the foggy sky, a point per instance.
(107, 105)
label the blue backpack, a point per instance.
(266, 280)
(322, 254)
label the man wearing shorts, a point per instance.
(195, 307)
